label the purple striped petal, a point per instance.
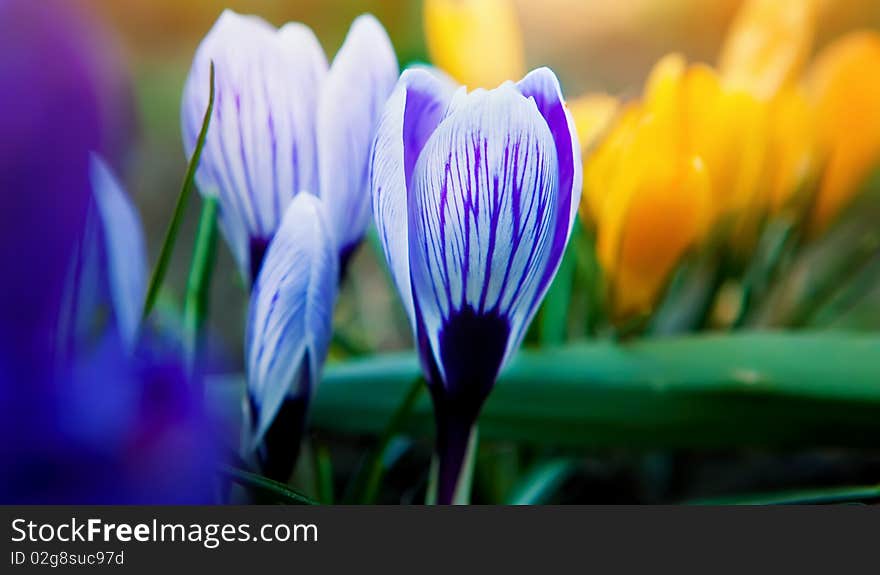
(543, 87)
(481, 225)
(261, 146)
(125, 248)
(291, 312)
(359, 82)
(412, 113)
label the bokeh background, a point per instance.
(593, 45)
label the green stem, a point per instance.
(778, 241)
(827, 287)
(199, 281)
(324, 475)
(464, 484)
(466, 479)
(161, 267)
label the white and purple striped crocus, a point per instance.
(474, 196)
(284, 123)
(288, 333)
(287, 155)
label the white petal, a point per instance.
(125, 248)
(261, 147)
(360, 80)
(291, 310)
(411, 115)
(482, 216)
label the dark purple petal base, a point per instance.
(472, 348)
(279, 450)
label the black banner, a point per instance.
(257, 540)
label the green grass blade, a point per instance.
(265, 486)
(161, 267)
(539, 485)
(198, 285)
(709, 391)
(826, 496)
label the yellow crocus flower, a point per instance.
(656, 211)
(764, 54)
(769, 44)
(845, 81)
(650, 203)
(477, 42)
(723, 125)
(604, 162)
(793, 154)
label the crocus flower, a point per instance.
(765, 53)
(477, 42)
(650, 203)
(474, 197)
(769, 44)
(845, 81)
(284, 124)
(109, 271)
(288, 333)
(98, 427)
(684, 161)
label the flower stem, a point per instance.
(199, 281)
(456, 451)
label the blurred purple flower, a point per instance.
(105, 425)
(108, 275)
(111, 428)
(474, 196)
(284, 123)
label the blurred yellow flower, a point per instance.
(592, 114)
(793, 153)
(845, 80)
(764, 54)
(769, 44)
(477, 42)
(647, 194)
(656, 207)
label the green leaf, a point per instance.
(265, 486)
(198, 285)
(830, 495)
(161, 267)
(539, 485)
(706, 391)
